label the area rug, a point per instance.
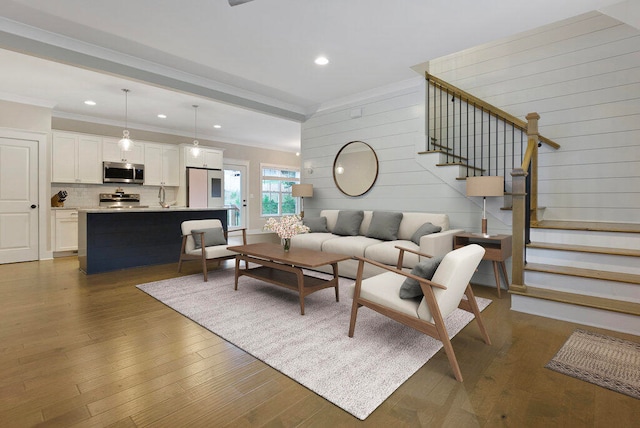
(602, 360)
(356, 374)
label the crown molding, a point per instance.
(33, 41)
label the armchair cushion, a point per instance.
(383, 289)
(212, 236)
(384, 225)
(348, 223)
(316, 224)
(426, 229)
(410, 288)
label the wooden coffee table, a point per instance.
(285, 269)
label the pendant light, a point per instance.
(195, 150)
(125, 143)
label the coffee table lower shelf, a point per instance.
(287, 276)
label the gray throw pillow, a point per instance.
(316, 224)
(426, 229)
(384, 225)
(212, 236)
(348, 223)
(410, 288)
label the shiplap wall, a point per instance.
(393, 125)
(582, 76)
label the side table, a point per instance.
(497, 249)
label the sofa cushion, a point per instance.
(411, 221)
(387, 253)
(348, 223)
(426, 229)
(425, 269)
(212, 236)
(316, 224)
(311, 241)
(384, 225)
(349, 245)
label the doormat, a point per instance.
(602, 360)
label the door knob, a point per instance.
(33, 206)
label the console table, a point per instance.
(497, 249)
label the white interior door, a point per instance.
(18, 200)
(235, 193)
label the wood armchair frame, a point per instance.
(435, 329)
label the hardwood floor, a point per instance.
(79, 350)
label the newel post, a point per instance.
(533, 137)
(518, 194)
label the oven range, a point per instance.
(120, 200)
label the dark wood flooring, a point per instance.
(79, 350)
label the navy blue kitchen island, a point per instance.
(114, 239)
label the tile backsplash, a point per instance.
(88, 195)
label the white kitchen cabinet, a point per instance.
(66, 230)
(76, 158)
(111, 151)
(208, 158)
(161, 165)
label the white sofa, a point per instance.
(435, 244)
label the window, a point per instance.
(276, 190)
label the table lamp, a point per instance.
(485, 186)
(302, 190)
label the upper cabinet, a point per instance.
(111, 152)
(207, 158)
(76, 158)
(161, 165)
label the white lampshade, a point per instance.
(302, 190)
(485, 186)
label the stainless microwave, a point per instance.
(117, 172)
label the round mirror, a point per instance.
(355, 168)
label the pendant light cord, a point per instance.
(195, 126)
(126, 108)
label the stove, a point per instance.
(120, 200)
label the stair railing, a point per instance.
(470, 132)
(489, 141)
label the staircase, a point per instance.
(582, 272)
(588, 273)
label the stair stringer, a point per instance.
(449, 174)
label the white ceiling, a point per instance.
(249, 68)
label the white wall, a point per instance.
(392, 123)
(583, 77)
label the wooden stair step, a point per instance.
(588, 225)
(584, 273)
(586, 249)
(613, 305)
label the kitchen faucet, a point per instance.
(161, 196)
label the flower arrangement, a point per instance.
(287, 227)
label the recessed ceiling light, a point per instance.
(162, 116)
(217, 126)
(90, 103)
(321, 60)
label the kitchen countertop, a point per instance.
(103, 210)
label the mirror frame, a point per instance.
(335, 163)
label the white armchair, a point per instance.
(442, 295)
(205, 240)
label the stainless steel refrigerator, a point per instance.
(205, 188)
